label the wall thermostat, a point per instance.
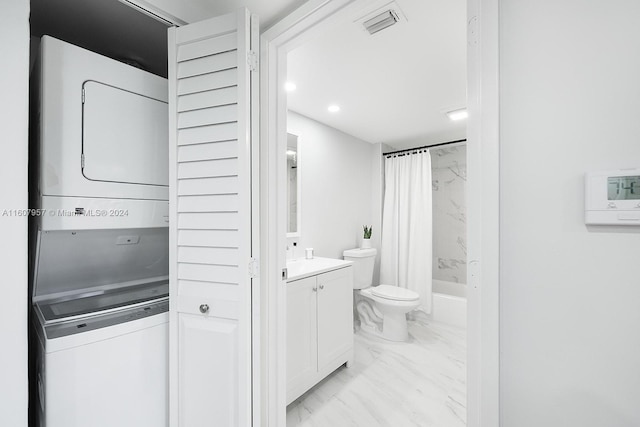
(612, 197)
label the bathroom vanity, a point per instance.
(319, 321)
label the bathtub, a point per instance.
(449, 303)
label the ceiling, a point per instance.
(394, 86)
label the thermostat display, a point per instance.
(624, 187)
(613, 197)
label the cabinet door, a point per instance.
(207, 359)
(335, 315)
(301, 335)
(212, 88)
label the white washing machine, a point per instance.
(100, 314)
(100, 243)
(102, 360)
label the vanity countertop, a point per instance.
(301, 268)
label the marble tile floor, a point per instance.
(419, 383)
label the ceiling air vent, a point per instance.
(381, 21)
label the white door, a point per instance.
(335, 316)
(211, 87)
(302, 343)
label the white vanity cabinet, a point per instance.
(319, 327)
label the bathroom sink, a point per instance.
(301, 268)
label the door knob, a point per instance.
(204, 308)
(314, 289)
(321, 286)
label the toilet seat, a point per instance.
(395, 293)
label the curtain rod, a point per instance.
(423, 147)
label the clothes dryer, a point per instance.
(102, 144)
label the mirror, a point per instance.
(293, 186)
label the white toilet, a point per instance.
(387, 316)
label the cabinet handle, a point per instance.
(315, 289)
(204, 308)
(321, 286)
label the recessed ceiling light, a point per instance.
(458, 114)
(290, 86)
(333, 108)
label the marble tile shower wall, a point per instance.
(449, 177)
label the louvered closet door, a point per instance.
(210, 97)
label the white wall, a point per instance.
(14, 84)
(337, 184)
(570, 296)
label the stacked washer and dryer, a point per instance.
(100, 242)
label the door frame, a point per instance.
(483, 202)
(483, 214)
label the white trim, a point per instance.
(483, 366)
(483, 210)
(245, 167)
(154, 12)
(173, 235)
(256, 341)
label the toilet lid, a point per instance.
(394, 293)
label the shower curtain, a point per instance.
(406, 248)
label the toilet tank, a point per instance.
(363, 263)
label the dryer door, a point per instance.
(124, 136)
